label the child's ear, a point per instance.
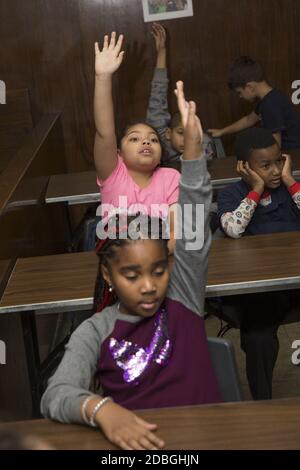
(168, 132)
(106, 275)
(119, 153)
(251, 86)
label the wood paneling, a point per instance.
(47, 46)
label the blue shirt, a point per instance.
(278, 115)
(281, 215)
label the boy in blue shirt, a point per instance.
(266, 200)
(273, 109)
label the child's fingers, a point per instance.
(179, 92)
(112, 40)
(119, 44)
(105, 42)
(146, 425)
(192, 108)
(156, 441)
(150, 444)
(135, 445)
(97, 50)
(122, 444)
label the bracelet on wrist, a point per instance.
(96, 409)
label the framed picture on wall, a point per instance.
(158, 10)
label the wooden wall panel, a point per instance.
(47, 46)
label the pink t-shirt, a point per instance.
(120, 191)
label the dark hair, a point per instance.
(122, 132)
(175, 120)
(243, 71)
(106, 249)
(252, 139)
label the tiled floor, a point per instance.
(286, 381)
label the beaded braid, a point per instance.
(106, 250)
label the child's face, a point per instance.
(140, 148)
(139, 274)
(176, 138)
(247, 93)
(268, 164)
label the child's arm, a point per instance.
(247, 121)
(158, 115)
(234, 222)
(107, 62)
(287, 178)
(69, 389)
(188, 278)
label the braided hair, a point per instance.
(106, 249)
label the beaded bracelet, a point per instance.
(96, 409)
(83, 408)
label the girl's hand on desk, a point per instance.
(110, 58)
(126, 430)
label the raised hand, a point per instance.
(126, 430)
(187, 110)
(251, 177)
(159, 34)
(193, 133)
(286, 175)
(110, 58)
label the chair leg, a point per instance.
(32, 359)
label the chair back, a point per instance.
(224, 364)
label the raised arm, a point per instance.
(107, 62)
(188, 278)
(158, 114)
(247, 121)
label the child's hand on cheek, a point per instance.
(286, 175)
(251, 177)
(126, 430)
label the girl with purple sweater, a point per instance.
(148, 349)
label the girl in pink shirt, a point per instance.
(129, 177)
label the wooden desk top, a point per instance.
(251, 264)
(242, 426)
(254, 264)
(56, 281)
(73, 188)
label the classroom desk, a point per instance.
(261, 425)
(81, 188)
(73, 188)
(66, 282)
(248, 265)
